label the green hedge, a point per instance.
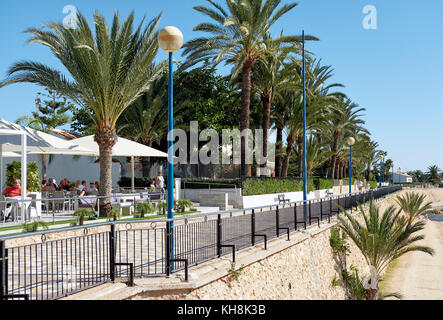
(321, 184)
(253, 187)
(214, 183)
(373, 184)
(125, 182)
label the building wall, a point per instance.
(73, 168)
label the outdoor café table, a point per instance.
(17, 206)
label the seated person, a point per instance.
(97, 185)
(15, 190)
(54, 182)
(50, 186)
(79, 188)
(92, 187)
(44, 183)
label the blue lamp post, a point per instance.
(170, 39)
(351, 142)
(305, 178)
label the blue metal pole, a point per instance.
(170, 157)
(305, 179)
(350, 174)
(382, 169)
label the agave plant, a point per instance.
(382, 238)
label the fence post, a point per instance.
(321, 209)
(112, 253)
(219, 235)
(168, 248)
(253, 227)
(3, 270)
(295, 216)
(277, 222)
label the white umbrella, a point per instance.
(123, 148)
(37, 142)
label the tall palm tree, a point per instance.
(236, 36)
(344, 120)
(269, 78)
(382, 238)
(108, 72)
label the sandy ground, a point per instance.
(418, 275)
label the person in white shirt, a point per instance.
(160, 182)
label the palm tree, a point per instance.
(344, 121)
(236, 36)
(109, 71)
(413, 206)
(382, 239)
(269, 77)
(433, 173)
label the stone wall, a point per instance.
(303, 271)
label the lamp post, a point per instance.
(350, 142)
(170, 39)
(305, 176)
(381, 169)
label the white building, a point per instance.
(400, 177)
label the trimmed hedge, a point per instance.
(256, 186)
(215, 183)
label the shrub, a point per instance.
(258, 186)
(114, 214)
(214, 183)
(182, 204)
(144, 208)
(82, 213)
(373, 184)
(13, 171)
(162, 207)
(34, 226)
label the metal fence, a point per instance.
(45, 267)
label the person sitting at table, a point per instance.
(50, 187)
(97, 185)
(79, 188)
(92, 187)
(65, 185)
(44, 183)
(54, 182)
(15, 190)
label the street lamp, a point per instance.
(381, 169)
(170, 39)
(350, 142)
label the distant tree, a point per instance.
(433, 174)
(417, 175)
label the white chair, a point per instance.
(5, 209)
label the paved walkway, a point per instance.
(418, 275)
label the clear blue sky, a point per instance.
(394, 71)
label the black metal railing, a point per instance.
(42, 265)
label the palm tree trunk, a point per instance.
(291, 139)
(278, 147)
(265, 124)
(334, 157)
(244, 114)
(43, 161)
(106, 139)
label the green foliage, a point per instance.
(114, 214)
(252, 186)
(323, 184)
(13, 171)
(413, 205)
(384, 237)
(162, 207)
(373, 184)
(82, 214)
(338, 243)
(144, 208)
(192, 183)
(34, 226)
(234, 274)
(181, 205)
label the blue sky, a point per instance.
(394, 71)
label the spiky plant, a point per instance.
(382, 238)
